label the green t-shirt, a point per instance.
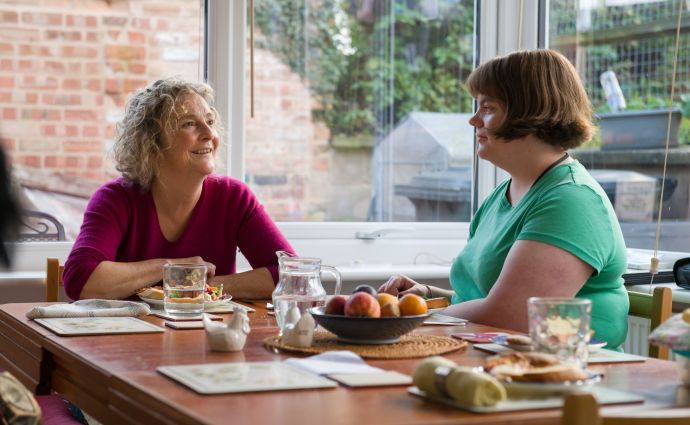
(566, 208)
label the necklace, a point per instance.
(550, 167)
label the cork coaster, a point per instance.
(410, 346)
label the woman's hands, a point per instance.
(399, 285)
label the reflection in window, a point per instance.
(64, 77)
(360, 110)
(630, 44)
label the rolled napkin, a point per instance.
(443, 378)
(91, 308)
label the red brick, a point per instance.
(6, 48)
(6, 64)
(74, 67)
(77, 146)
(5, 97)
(50, 161)
(28, 65)
(136, 37)
(93, 84)
(42, 19)
(29, 160)
(81, 21)
(31, 98)
(141, 23)
(90, 131)
(72, 84)
(124, 52)
(94, 162)
(137, 68)
(7, 17)
(81, 115)
(92, 37)
(7, 82)
(9, 113)
(71, 130)
(74, 162)
(48, 130)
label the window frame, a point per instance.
(225, 51)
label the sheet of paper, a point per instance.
(332, 362)
(220, 378)
(185, 325)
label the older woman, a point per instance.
(550, 229)
(168, 206)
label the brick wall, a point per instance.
(67, 67)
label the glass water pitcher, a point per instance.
(299, 284)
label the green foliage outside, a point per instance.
(348, 64)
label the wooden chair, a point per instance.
(657, 308)
(53, 279)
(583, 409)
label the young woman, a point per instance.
(550, 229)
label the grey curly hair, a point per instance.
(149, 114)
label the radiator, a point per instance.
(637, 341)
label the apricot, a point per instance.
(385, 298)
(336, 305)
(361, 304)
(412, 305)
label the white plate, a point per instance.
(207, 304)
(595, 344)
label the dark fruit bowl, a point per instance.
(367, 330)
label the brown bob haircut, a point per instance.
(542, 95)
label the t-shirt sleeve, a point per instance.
(105, 223)
(574, 218)
(259, 238)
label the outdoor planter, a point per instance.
(638, 129)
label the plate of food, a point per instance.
(537, 374)
(213, 296)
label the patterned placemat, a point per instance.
(410, 346)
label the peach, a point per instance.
(336, 305)
(361, 304)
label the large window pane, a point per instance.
(632, 42)
(65, 73)
(360, 110)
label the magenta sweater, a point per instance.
(121, 224)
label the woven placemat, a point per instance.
(410, 346)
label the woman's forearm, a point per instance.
(116, 280)
(252, 284)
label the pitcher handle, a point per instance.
(332, 270)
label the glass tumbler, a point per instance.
(183, 288)
(560, 326)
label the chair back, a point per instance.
(583, 409)
(656, 307)
(53, 279)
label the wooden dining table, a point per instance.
(114, 379)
